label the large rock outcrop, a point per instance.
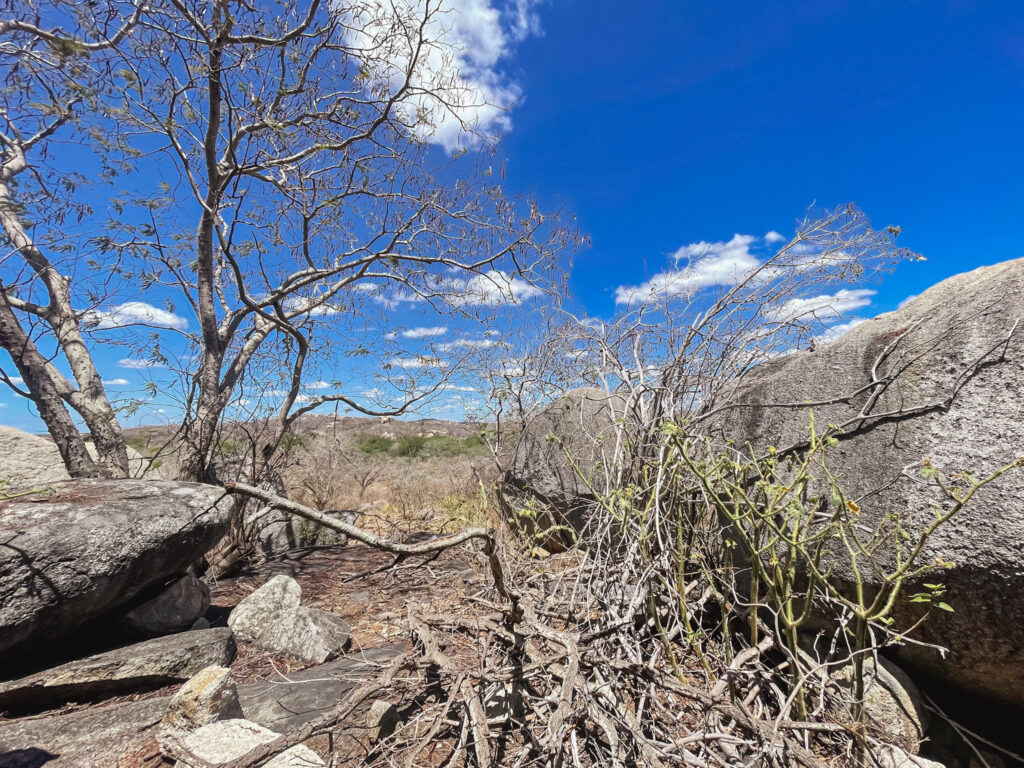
(565, 455)
(949, 386)
(30, 461)
(91, 546)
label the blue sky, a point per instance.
(676, 122)
(661, 124)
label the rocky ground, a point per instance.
(352, 582)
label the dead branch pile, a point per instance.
(570, 667)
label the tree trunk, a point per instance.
(90, 399)
(33, 369)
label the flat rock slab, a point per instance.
(99, 736)
(147, 665)
(230, 739)
(92, 737)
(286, 704)
(89, 546)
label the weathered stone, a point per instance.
(99, 736)
(284, 706)
(93, 545)
(305, 634)
(138, 667)
(225, 740)
(83, 739)
(889, 756)
(254, 614)
(381, 720)
(952, 338)
(564, 456)
(177, 606)
(31, 461)
(209, 696)
(892, 703)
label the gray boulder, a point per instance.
(565, 455)
(272, 620)
(31, 461)
(142, 666)
(254, 613)
(101, 736)
(91, 546)
(954, 339)
(306, 634)
(892, 703)
(176, 607)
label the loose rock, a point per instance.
(206, 698)
(253, 614)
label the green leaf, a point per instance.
(946, 607)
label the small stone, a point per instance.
(381, 720)
(256, 612)
(206, 698)
(229, 739)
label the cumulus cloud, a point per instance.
(493, 288)
(132, 313)
(115, 383)
(774, 237)
(907, 300)
(136, 364)
(419, 361)
(825, 307)
(462, 64)
(468, 344)
(315, 307)
(703, 265)
(425, 333)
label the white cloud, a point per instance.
(418, 362)
(824, 307)
(312, 306)
(774, 237)
(390, 336)
(907, 300)
(318, 385)
(468, 344)
(135, 364)
(116, 383)
(424, 333)
(469, 39)
(493, 288)
(454, 388)
(3, 405)
(132, 313)
(707, 265)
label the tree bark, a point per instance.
(33, 369)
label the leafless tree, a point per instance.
(280, 185)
